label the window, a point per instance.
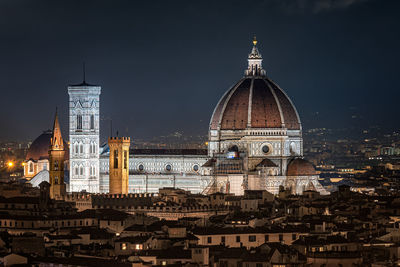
(76, 171)
(280, 237)
(56, 165)
(238, 238)
(30, 167)
(252, 238)
(125, 159)
(266, 238)
(294, 236)
(92, 171)
(196, 168)
(209, 240)
(81, 148)
(78, 122)
(92, 148)
(81, 170)
(76, 149)
(168, 167)
(141, 167)
(223, 239)
(91, 122)
(115, 159)
(265, 149)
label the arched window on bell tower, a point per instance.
(78, 122)
(92, 122)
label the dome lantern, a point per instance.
(255, 62)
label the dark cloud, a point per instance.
(313, 6)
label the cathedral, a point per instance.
(255, 143)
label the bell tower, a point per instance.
(84, 137)
(56, 162)
(119, 165)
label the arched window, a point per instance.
(91, 122)
(125, 159)
(79, 122)
(81, 170)
(92, 171)
(31, 167)
(91, 148)
(76, 170)
(81, 148)
(76, 149)
(56, 165)
(115, 159)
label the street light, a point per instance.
(10, 164)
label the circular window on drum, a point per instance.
(141, 167)
(168, 167)
(196, 168)
(266, 149)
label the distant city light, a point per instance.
(10, 164)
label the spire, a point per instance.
(56, 142)
(255, 59)
(84, 73)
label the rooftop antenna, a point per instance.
(111, 130)
(84, 72)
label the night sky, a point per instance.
(163, 65)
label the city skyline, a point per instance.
(150, 71)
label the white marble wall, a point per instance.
(84, 143)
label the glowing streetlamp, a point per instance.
(10, 164)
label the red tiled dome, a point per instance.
(39, 148)
(300, 167)
(255, 102)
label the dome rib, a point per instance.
(289, 111)
(235, 113)
(266, 113)
(255, 102)
(215, 122)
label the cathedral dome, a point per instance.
(39, 148)
(300, 167)
(255, 102)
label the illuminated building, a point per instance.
(255, 137)
(255, 142)
(119, 165)
(84, 137)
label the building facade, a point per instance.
(56, 162)
(84, 137)
(255, 134)
(119, 165)
(152, 169)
